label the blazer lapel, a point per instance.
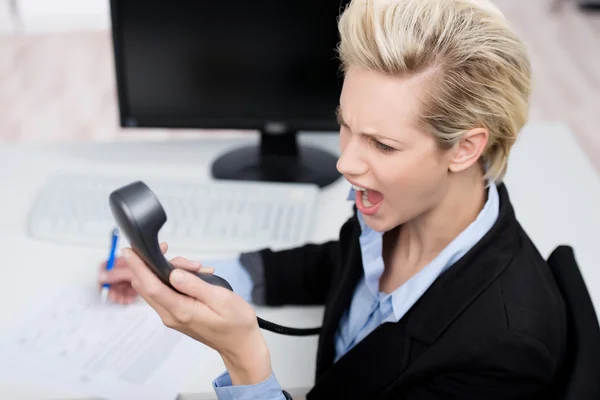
(340, 301)
(373, 363)
(454, 290)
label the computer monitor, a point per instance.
(268, 65)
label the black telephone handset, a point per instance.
(140, 216)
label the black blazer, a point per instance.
(493, 326)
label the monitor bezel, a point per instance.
(127, 120)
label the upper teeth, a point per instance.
(358, 188)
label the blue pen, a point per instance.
(110, 263)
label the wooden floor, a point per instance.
(61, 86)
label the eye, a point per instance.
(382, 147)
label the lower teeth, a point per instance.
(365, 199)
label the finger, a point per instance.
(192, 266)
(164, 247)
(127, 294)
(165, 316)
(120, 299)
(130, 295)
(184, 263)
(129, 291)
(119, 289)
(119, 263)
(213, 296)
(147, 281)
(152, 289)
(122, 288)
(113, 296)
(116, 297)
(115, 275)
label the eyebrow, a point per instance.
(340, 121)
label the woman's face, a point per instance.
(383, 150)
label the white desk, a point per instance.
(553, 187)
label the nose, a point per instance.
(351, 163)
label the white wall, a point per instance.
(6, 21)
(40, 16)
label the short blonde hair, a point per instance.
(480, 70)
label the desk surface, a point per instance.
(554, 188)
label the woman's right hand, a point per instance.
(119, 277)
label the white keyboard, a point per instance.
(229, 216)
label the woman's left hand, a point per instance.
(210, 314)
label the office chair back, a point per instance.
(579, 378)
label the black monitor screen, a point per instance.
(227, 64)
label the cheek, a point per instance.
(409, 173)
(413, 185)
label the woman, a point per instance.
(433, 289)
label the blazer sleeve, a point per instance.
(302, 275)
(508, 366)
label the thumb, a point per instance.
(193, 286)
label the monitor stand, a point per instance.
(278, 158)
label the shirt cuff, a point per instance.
(232, 270)
(269, 389)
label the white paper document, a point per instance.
(79, 345)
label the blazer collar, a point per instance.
(460, 285)
(341, 298)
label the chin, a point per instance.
(385, 221)
(379, 223)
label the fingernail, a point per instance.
(125, 254)
(178, 276)
(103, 276)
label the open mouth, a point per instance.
(368, 201)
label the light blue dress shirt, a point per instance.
(369, 307)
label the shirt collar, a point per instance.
(491, 207)
(371, 247)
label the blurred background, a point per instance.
(57, 72)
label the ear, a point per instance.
(469, 149)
